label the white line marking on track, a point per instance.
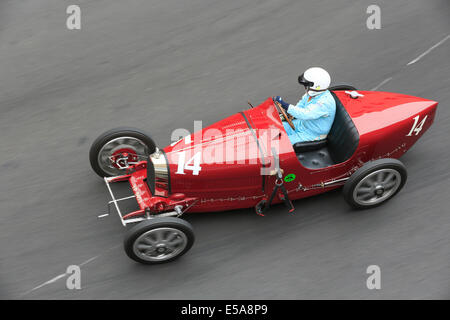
(63, 275)
(382, 83)
(429, 50)
(87, 261)
(45, 283)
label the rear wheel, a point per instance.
(159, 240)
(115, 150)
(375, 183)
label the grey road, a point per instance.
(160, 65)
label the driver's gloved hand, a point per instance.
(284, 104)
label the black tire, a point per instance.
(183, 229)
(110, 135)
(394, 173)
(342, 87)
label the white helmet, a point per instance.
(316, 80)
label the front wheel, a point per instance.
(117, 149)
(375, 183)
(159, 240)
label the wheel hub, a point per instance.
(379, 190)
(377, 186)
(160, 244)
(161, 248)
(122, 157)
(118, 154)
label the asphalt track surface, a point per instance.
(160, 65)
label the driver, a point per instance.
(314, 113)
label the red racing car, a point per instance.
(247, 160)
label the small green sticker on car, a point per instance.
(289, 177)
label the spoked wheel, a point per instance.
(159, 240)
(375, 183)
(115, 150)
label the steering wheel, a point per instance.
(283, 112)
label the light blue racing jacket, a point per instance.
(313, 118)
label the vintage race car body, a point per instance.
(230, 164)
(247, 160)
